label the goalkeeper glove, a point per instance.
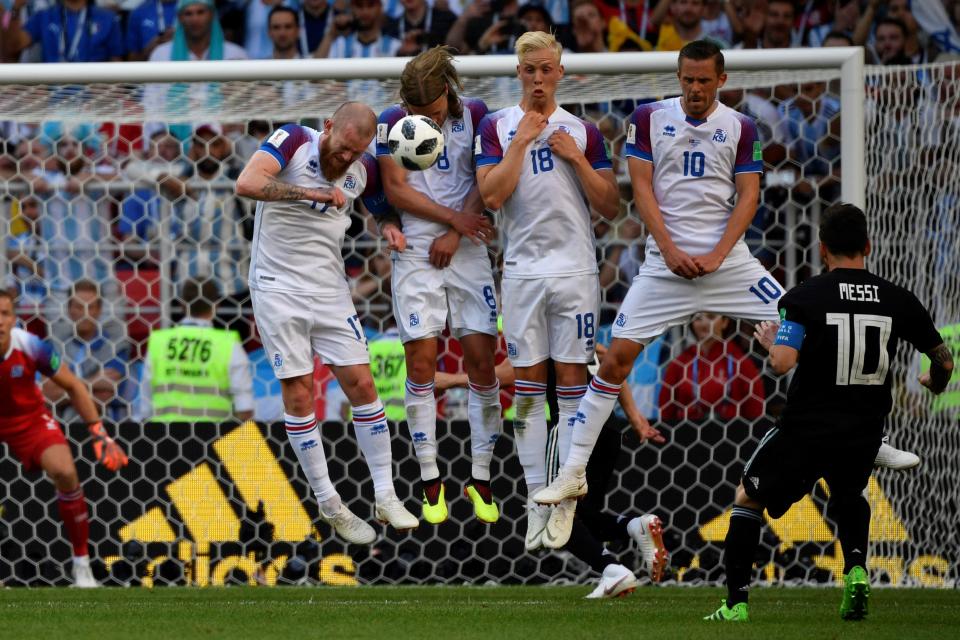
(108, 452)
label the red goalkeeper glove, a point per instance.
(108, 452)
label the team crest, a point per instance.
(621, 320)
(719, 135)
(457, 126)
(16, 371)
(350, 182)
(670, 130)
(414, 320)
(563, 128)
(512, 349)
(277, 360)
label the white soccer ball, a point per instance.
(415, 142)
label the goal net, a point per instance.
(122, 178)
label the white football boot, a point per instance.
(616, 582)
(557, 532)
(391, 511)
(647, 531)
(896, 459)
(82, 575)
(349, 527)
(537, 517)
(565, 485)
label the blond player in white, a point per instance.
(443, 274)
(546, 170)
(306, 182)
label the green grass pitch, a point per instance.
(491, 613)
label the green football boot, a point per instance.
(435, 512)
(856, 592)
(483, 504)
(737, 613)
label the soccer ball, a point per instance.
(415, 143)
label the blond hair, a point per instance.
(426, 76)
(536, 41)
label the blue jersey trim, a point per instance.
(790, 334)
(750, 167)
(272, 150)
(484, 161)
(635, 153)
(602, 164)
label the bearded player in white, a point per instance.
(546, 169)
(444, 273)
(306, 182)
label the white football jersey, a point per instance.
(695, 163)
(296, 244)
(447, 182)
(546, 221)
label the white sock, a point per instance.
(303, 432)
(483, 411)
(373, 436)
(421, 408)
(530, 431)
(568, 402)
(595, 408)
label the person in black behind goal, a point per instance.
(840, 329)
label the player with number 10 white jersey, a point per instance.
(689, 159)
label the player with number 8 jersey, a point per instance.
(306, 182)
(545, 169)
(444, 273)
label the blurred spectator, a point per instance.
(194, 371)
(712, 379)
(211, 226)
(150, 25)
(198, 36)
(248, 140)
(70, 31)
(891, 41)
(637, 15)
(94, 348)
(72, 225)
(721, 22)
(25, 255)
(486, 27)
(256, 25)
(777, 26)
(283, 28)
(157, 176)
(358, 34)
(918, 46)
(314, 20)
(420, 27)
(684, 25)
(811, 133)
(588, 28)
(837, 39)
(846, 16)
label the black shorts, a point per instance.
(788, 462)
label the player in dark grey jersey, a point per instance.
(840, 330)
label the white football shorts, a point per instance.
(425, 297)
(294, 326)
(659, 299)
(554, 317)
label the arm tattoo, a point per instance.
(276, 190)
(941, 367)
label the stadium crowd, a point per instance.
(98, 218)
